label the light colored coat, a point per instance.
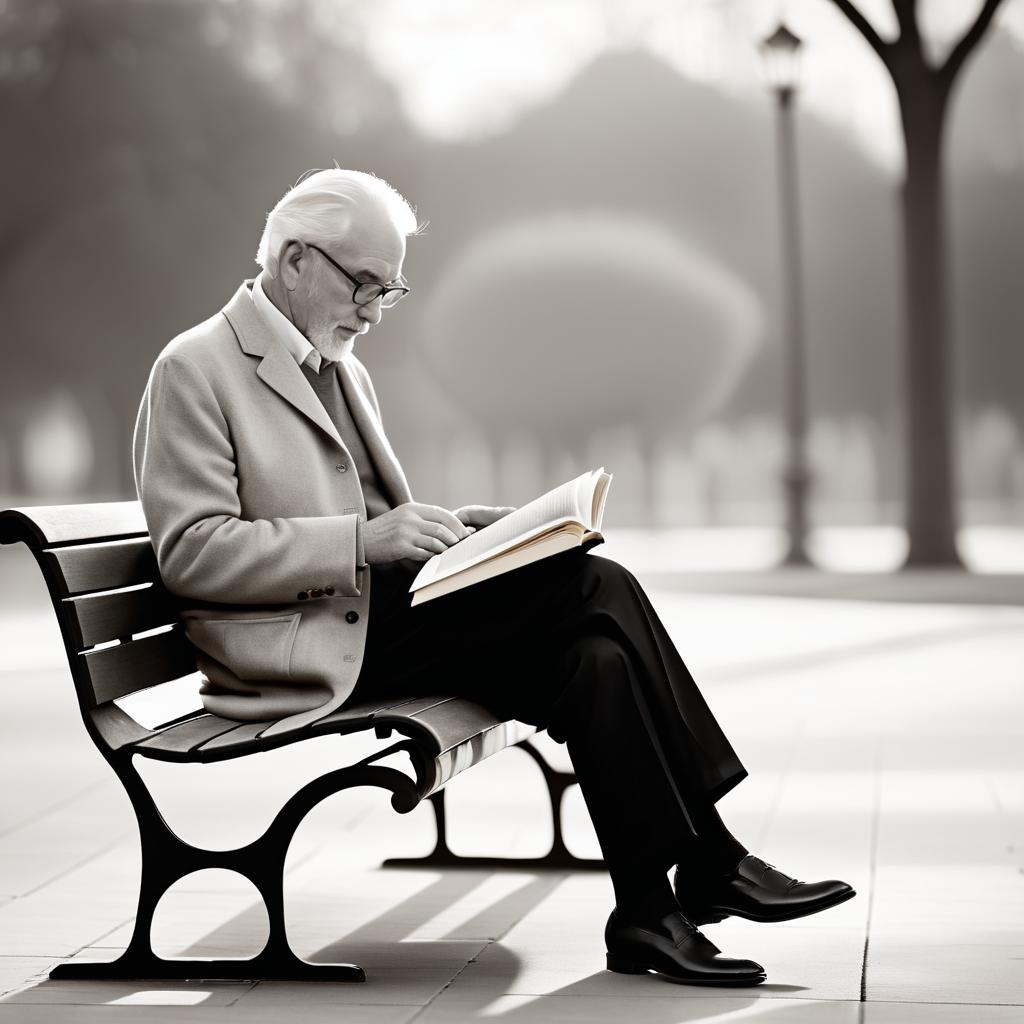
(251, 500)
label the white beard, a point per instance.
(329, 347)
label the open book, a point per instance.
(564, 518)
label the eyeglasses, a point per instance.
(365, 292)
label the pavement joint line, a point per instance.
(252, 986)
(99, 939)
(44, 812)
(556, 878)
(88, 858)
(990, 786)
(783, 777)
(936, 1002)
(811, 659)
(876, 816)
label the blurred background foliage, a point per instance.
(599, 279)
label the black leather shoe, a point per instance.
(757, 891)
(675, 948)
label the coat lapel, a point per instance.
(389, 470)
(281, 373)
(278, 370)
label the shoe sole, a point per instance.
(621, 965)
(719, 912)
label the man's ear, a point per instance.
(289, 264)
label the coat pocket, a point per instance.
(258, 649)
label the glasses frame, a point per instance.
(402, 289)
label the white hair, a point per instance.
(319, 208)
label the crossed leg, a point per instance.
(573, 644)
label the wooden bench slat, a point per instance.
(189, 736)
(117, 671)
(117, 728)
(83, 567)
(367, 709)
(455, 721)
(412, 706)
(227, 744)
(245, 739)
(97, 618)
(43, 525)
(479, 747)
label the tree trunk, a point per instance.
(930, 517)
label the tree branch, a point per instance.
(866, 29)
(971, 38)
(906, 15)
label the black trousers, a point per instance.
(572, 644)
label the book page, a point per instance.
(562, 504)
(600, 497)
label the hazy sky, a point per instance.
(468, 68)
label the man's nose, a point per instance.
(371, 311)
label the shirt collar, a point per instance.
(284, 330)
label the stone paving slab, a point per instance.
(665, 1007)
(160, 1006)
(880, 1012)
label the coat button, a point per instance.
(317, 592)
(303, 595)
(341, 467)
(351, 616)
(329, 590)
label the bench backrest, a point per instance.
(102, 575)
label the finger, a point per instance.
(427, 546)
(436, 514)
(433, 543)
(439, 531)
(443, 535)
(487, 515)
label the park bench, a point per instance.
(122, 634)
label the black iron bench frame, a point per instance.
(103, 580)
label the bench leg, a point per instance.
(559, 857)
(166, 858)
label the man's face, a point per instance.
(322, 305)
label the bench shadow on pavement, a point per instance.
(390, 962)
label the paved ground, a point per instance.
(880, 720)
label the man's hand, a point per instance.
(413, 531)
(482, 515)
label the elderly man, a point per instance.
(282, 520)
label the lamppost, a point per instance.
(781, 54)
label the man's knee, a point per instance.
(599, 661)
(602, 574)
(598, 691)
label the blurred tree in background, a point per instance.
(144, 141)
(924, 88)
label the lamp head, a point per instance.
(781, 54)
